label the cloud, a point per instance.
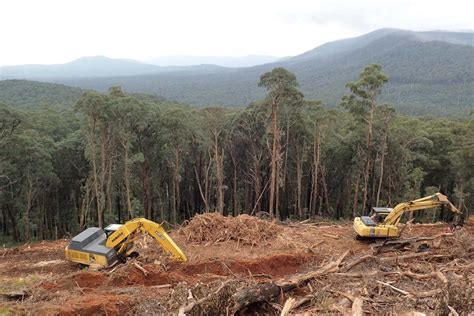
(54, 31)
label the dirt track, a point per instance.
(54, 286)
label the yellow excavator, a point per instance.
(105, 247)
(383, 221)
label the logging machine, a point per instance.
(383, 221)
(104, 247)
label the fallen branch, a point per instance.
(395, 288)
(357, 306)
(428, 293)
(401, 243)
(328, 268)
(332, 236)
(398, 258)
(15, 295)
(161, 286)
(288, 306)
(452, 311)
(352, 264)
(142, 269)
(80, 289)
(113, 270)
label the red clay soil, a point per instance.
(61, 288)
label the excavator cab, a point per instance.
(379, 214)
(112, 228)
(376, 217)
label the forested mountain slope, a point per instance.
(31, 94)
(95, 66)
(431, 73)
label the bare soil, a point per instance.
(228, 255)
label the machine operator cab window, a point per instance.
(112, 228)
(378, 214)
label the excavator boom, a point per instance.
(146, 226)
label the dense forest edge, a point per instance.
(114, 156)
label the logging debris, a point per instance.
(296, 268)
(211, 228)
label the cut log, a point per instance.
(13, 296)
(257, 293)
(268, 291)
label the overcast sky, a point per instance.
(57, 31)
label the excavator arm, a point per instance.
(127, 233)
(436, 200)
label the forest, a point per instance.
(114, 156)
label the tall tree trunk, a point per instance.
(96, 180)
(126, 179)
(108, 189)
(146, 194)
(316, 162)
(299, 177)
(203, 196)
(325, 188)
(285, 164)
(355, 204)
(29, 202)
(219, 159)
(177, 199)
(235, 202)
(274, 158)
(16, 235)
(382, 159)
(369, 155)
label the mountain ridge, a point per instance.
(428, 74)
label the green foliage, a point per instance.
(432, 76)
(116, 155)
(32, 94)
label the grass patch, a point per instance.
(8, 284)
(5, 310)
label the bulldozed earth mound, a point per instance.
(245, 265)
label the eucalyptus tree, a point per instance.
(282, 89)
(213, 120)
(362, 102)
(176, 131)
(96, 124)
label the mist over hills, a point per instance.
(223, 61)
(430, 73)
(95, 66)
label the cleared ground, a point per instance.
(316, 268)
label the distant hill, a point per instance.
(31, 94)
(95, 66)
(430, 73)
(223, 61)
